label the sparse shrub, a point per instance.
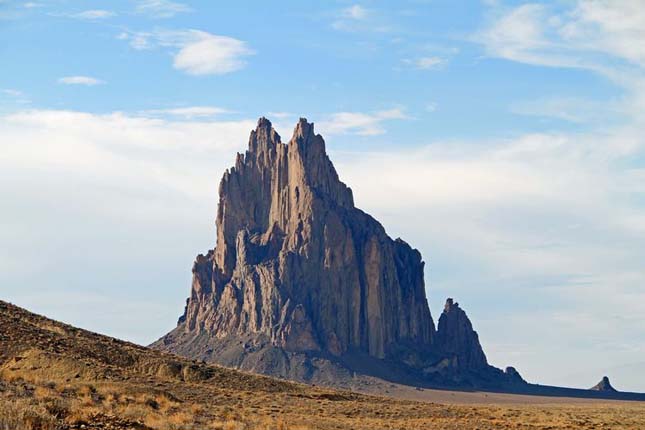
(152, 403)
(57, 408)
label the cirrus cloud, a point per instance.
(426, 63)
(359, 123)
(93, 14)
(189, 112)
(80, 80)
(160, 8)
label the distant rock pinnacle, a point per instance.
(604, 385)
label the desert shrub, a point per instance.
(57, 408)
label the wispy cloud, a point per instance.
(570, 109)
(603, 37)
(535, 34)
(357, 18)
(519, 35)
(198, 52)
(16, 96)
(94, 14)
(364, 124)
(356, 12)
(189, 112)
(161, 8)
(139, 40)
(11, 92)
(426, 63)
(281, 115)
(80, 80)
(32, 5)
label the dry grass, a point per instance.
(168, 406)
(24, 414)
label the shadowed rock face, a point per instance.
(457, 338)
(299, 272)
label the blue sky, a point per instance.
(503, 139)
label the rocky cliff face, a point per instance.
(302, 282)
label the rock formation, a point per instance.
(304, 285)
(457, 338)
(604, 385)
(514, 376)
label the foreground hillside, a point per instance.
(54, 376)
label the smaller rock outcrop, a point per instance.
(456, 338)
(514, 376)
(604, 385)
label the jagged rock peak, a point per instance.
(303, 129)
(264, 138)
(455, 335)
(603, 385)
(264, 122)
(450, 305)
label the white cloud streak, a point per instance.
(359, 123)
(357, 18)
(570, 109)
(593, 35)
(11, 92)
(93, 14)
(426, 63)
(161, 8)
(189, 112)
(356, 12)
(80, 80)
